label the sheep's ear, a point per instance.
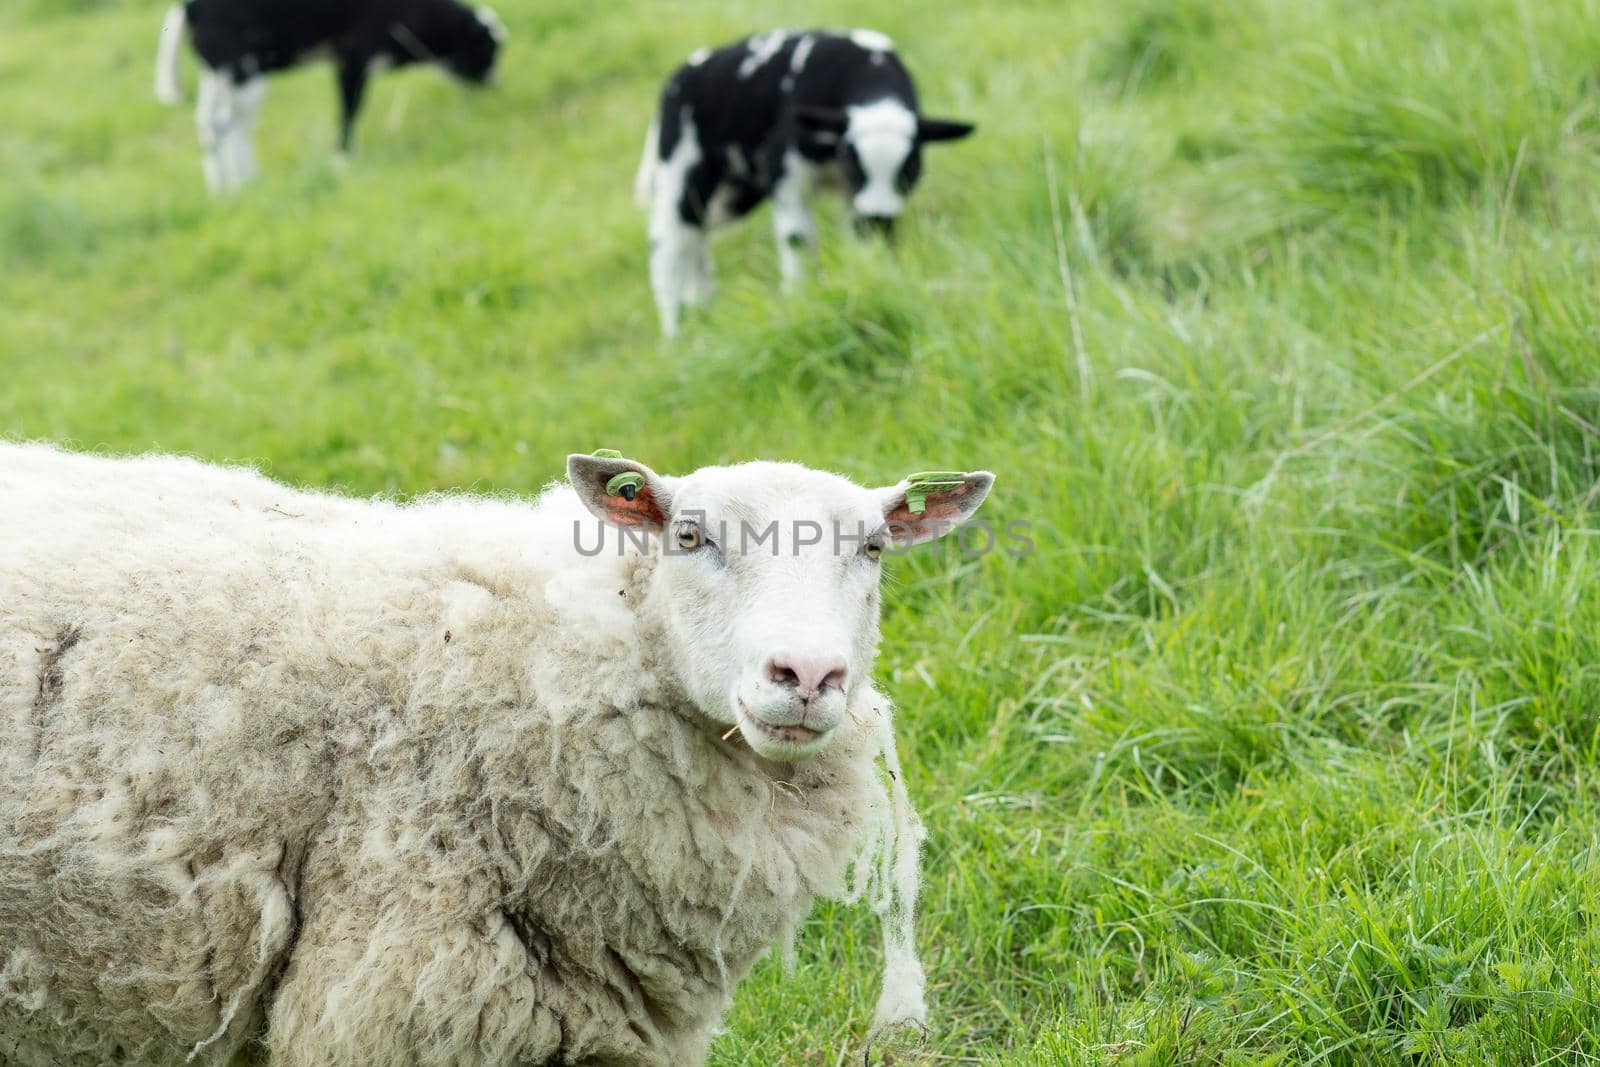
(821, 125)
(620, 490)
(931, 504)
(932, 130)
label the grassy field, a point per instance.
(1280, 321)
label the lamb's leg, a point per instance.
(240, 147)
(792, 223)
(678, 254)
(676, 249)
(701, 283)
(352, 87)
(213, 119)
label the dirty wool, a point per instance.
(379, 784)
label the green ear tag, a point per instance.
(923, 483)
(625, 485)
(606, 453)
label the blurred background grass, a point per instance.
(1277, 320)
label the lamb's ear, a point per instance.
(620, 490)
(932, 503)
(932, 130)
(821, 125)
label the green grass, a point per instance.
(1278, 321)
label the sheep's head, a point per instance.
(769, 581)
(470, 45)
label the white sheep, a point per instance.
(465, 781)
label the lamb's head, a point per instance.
(768, 581)
(468, 42)
(878, 147)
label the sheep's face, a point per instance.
(475, 46)
(769, 576)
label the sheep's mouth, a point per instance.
(792, 738)
(792, 735)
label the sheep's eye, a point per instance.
(873, 549)
(690, 538)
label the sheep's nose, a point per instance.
(806, 675)
(876, 226)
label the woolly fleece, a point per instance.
(378, 784)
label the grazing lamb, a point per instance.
(768, 117)
(239, 42)
(465, 781)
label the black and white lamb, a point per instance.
(240, 42)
